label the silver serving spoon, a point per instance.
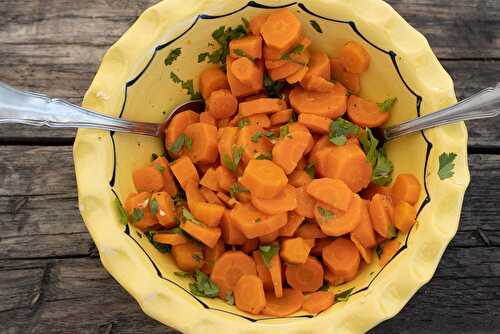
(39, 110)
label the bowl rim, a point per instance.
(96, 204)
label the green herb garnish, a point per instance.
(162, 248)
(237, 188)
(172, 56)
(154, 206)
(246, 23)
(243, 122)
(316, 26)
(121, 212)
(203, 286)
(232, 164)
(270, 135)
(202, 57)
(229, 298)
(187, 85)
(310, 169)
(241, 53)
(382, 167)
(387, 104)
(179, 198)
(256, 136)
(325, 213)
(446, 165)
(189, 216)
(379, 251)
(283, 131)
(343, 296)
(296, 50)
(340, 129)
(137, 215)
(183, 274)
(264, 156)
(223, 36)
(273, 88)
(392, 232)
(268, 251)
(180, 142)
(159, 168)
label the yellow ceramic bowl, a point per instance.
(134, 83)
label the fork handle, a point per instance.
(484, 104)
(39, 110)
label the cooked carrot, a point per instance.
(289, 150)
(331, 104)
(207, 235)
(333, 192)
(249, 294)
(306, 277)
(305, 203)
(256, 23)
(227, 138)
(221, 104)
(297, 127)
(260, 120)
(225, 179)
(209, 180)
(223, 122)
(184, 171)
(319, 245)
(284, 71)
(282, 30)
(286, 200)
(270, 237)
(271, 53)
(206, 117)
(389, 249)
(238, 89)
(297, 76)
(381, 213)
(261, 106)
(229, 201)
(211, 255)
(319, 65)
(276, 275)
(272, 64)
(293, 223)
(354, 57)
(317, 83)
(406, 188)
(193, 193)
(264, 179)
(281, 117)
(148, 179)
(210, 196)
(404, 216)
(299, 178)
(350, 80)
(253, 223)
(349, 164)
(364, 232)
(204, 142)
(262, 270)
(342, 258)
(230, 231)
(366, 253)
(250, 245)
(365, 113)
(295, 250)
(289, 303)
(140, 203)
(248, 46)
(170, 238)
(165, 209)
(188, 256)
(253, 142)
(209, 214)
(318, 301)
(168, 178)
(229, 268)
(319, 153)
(310, 231)
(333, 279)
(373, 189)
(315, 123)
(212, 79)
(245, 70)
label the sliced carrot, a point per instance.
(297, 127)
(319, 65)
(209, 180)
(270, 237)
(253, 223)
(210, 196)
(381, 213)
(331, 104)
(364, 232)
(223, 122)
(148, 179)
(250, 245)
(221, 104)
(350, 80)
(206, 117)
(317, 83)
(229, 268)
(141, 202)
(293, 223)
(165, 209)
(225, 179)
(310, 231)
(249, 294)
(184, 171)
(230, 231)
(306, 277)
(253, 142)
(373, 189)
(170, 238)
(248, 46)
(349, 164)
(271, 53)
(168, 178)
(284, 71)
(318, 301)
(354, 57)
(193, 193)
(187, 256)
(264, 179)
(272, 64)
(229, 201)
(209, 214)
(297, 76)
(318, 154)
(204, 142)
(389, 249)
(319, 245)
(238, 89)
(256, 23)
(282, 30)
(295, 250)
(299, 178)
(261, 106)
(281, 117)
(404, 216)
(315, 123)
(365, 113)
(333, 192)
(366, 253)
(342, 258)
(289, 303)
(406, 188)
(212, 79)
(286, 200)
(276, 275)
(289, 150)
(260, 120)
(227, 138)
(207, 235)
(333, 279)
(246, 71)
(262, 270)
(305, 203)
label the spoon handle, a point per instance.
(484, 104)
(40, 110)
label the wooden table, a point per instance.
(51, 279)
